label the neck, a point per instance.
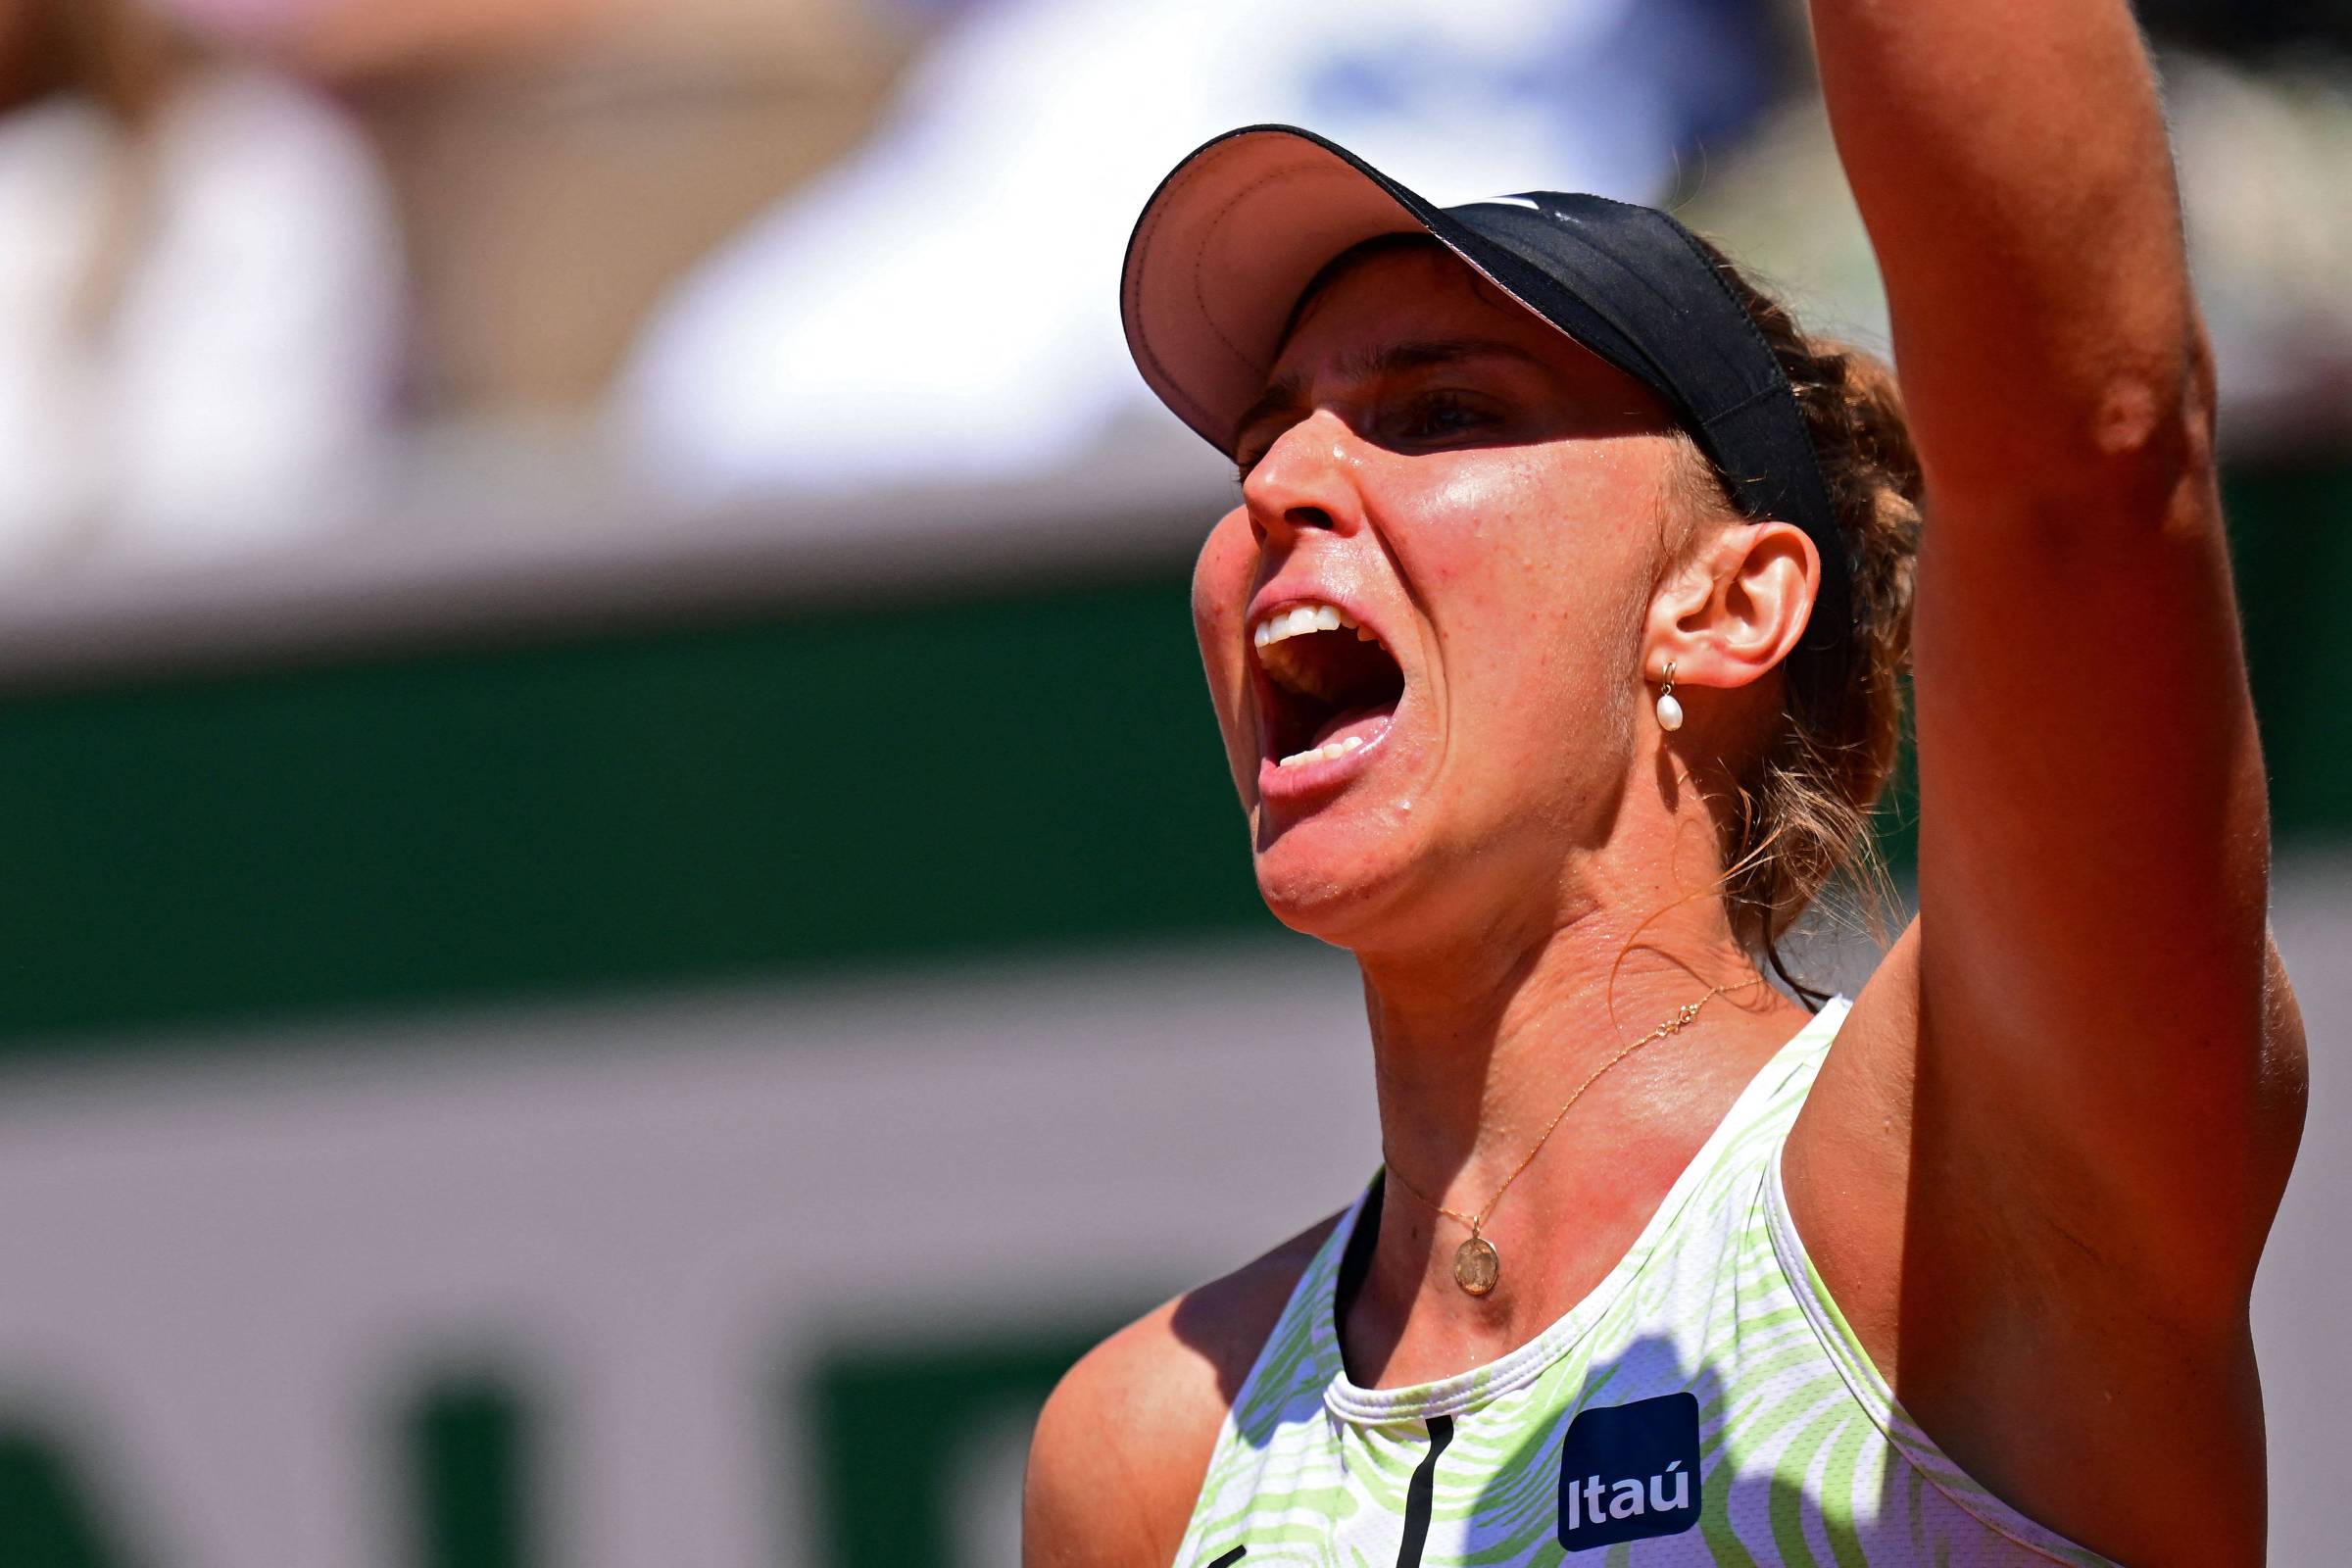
(1478, 1046)
(1470, 1046)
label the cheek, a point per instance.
(1506, 553)
(1222, 580)
(1535, 572)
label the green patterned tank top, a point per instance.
(1706, 1405)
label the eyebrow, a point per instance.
(1289, 393)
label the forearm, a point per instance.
(2010, 159)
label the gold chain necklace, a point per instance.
(1476, 1267)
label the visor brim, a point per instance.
(1224, 248)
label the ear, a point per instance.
(1736, 609)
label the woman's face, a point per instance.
(1482, 502)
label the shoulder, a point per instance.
(1125, 1439)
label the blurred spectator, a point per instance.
(198, 293)
(558, 164)
(942, 304)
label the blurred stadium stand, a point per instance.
(557, 1017)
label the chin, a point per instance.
(1338, 881)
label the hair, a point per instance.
(1801, 806)
(1803, 803)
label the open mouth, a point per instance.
(1331, 686)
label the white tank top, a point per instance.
(1705, 1404)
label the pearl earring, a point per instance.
(1670, 712)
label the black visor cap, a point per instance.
(1238, 231)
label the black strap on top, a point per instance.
(1355, 1259)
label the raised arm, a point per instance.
(2091, 1063)
(2010, 159)
(2094, 836)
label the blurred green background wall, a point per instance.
(866, 785)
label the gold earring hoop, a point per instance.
(1670, 712)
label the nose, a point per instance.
(1306, 482)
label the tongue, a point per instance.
(1366, 724)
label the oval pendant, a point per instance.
(1477, 1265)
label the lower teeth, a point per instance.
(1323, 753)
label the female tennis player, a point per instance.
(1556, 644)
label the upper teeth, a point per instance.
(1301, 619)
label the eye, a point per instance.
(1437, 416)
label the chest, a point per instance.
(1551, 1251)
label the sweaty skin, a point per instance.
(2040, 1163)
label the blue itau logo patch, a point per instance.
(1628, 1472)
